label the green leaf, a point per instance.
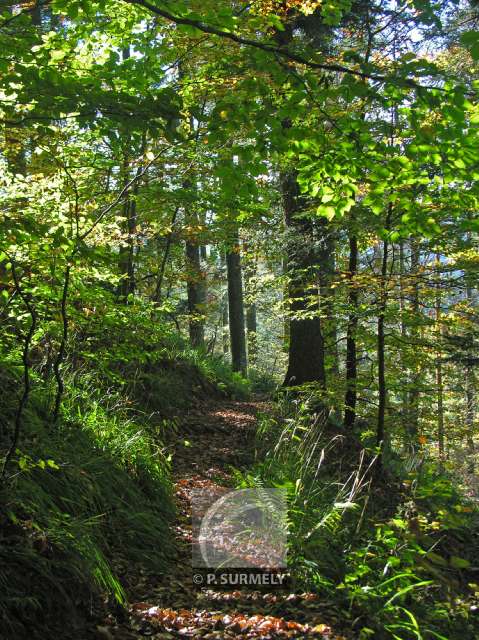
(57, 54)
(469, 38)
(402, 592)
(326, 212)
(436, 558)
(459, 563)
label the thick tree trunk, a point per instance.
(306, 343)
(351, 349)
(236, 307)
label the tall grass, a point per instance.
(382, 552)
(89, 498)
(82, 500)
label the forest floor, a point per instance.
(219, 435)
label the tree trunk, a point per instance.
(405, 369)
(236, 307)
(285, 306)
(351, 349)
(164, 260)
(126, 260)
(251, 316)
(195, 292)
(251, 328)
(225, 323)
(16, 138)
(381, 346)
(327, 261)
(127, 251)
(224, 306)
(306, 343)
(470, 401)
(439, 373)
(414, 393)
(195, 283)
(470, 416)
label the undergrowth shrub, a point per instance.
(134, 347)
(395, 552)
(88, 498)
(91, 497)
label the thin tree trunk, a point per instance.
(127, 251)
(225, 323)
(470, 402)
(439, 372)
(406, 373)
(414, 393)
(57, 365)
(382, 388)
(236, 307)
(351, 349)
(285, 306)
(26, 369)
(251, 316)
(224, 307)
(195, 278)
(161, 272)
(195, 294)
(327, 295)
(251, 328)
(470, 416)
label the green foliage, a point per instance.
(87, 500)
(129, 132)
(92, 495)
(391, 555)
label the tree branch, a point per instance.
(26, 369)
(264, 46)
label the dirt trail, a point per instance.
(218, 436)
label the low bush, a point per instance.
(91, 497)
(395, 552)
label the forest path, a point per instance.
(219, 435)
